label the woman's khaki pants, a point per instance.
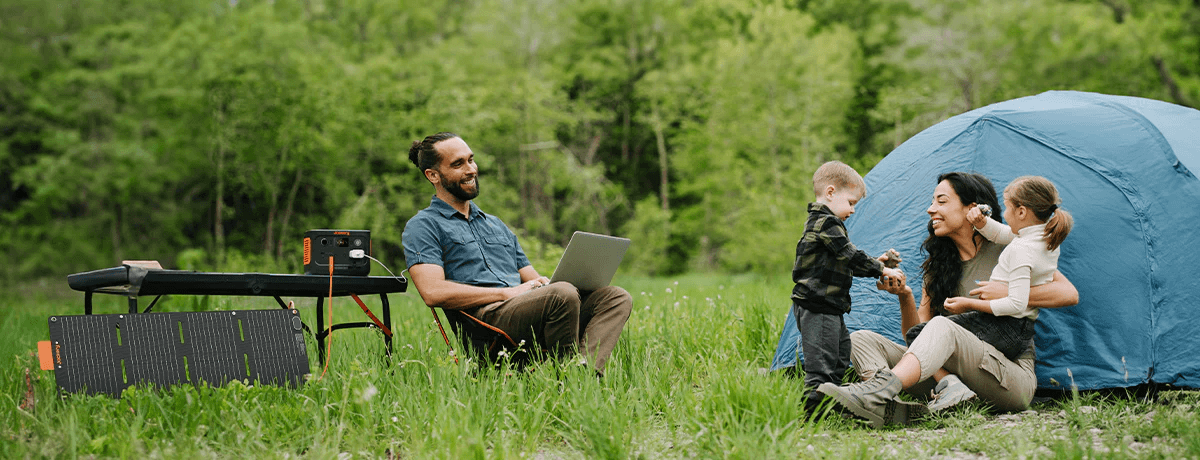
(1007, 385)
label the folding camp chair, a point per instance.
(483, 338)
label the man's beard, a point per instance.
(455, 188)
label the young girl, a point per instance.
(1036, 229)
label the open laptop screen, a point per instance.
(590, 260)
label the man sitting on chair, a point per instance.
(460, 258)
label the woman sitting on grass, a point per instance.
(958, 256)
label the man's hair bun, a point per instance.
(414, 152)
(424, 155)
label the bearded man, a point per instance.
(460, 258)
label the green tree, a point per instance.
(776, 95)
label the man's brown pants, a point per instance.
(561, 319)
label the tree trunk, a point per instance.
(269, 238)
(626, 125)
(1165, 74)
(219, 209)
(275, 178)
(966, 86)
(287, 213)
(898, 138)
(773, 138)
(219, 198)
(522, 186)
(1118, 8)
(661, 143)
(118, 254)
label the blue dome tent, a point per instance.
(1125, 168)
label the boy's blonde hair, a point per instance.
(838, 174)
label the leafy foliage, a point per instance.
(146, 129)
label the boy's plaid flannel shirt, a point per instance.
(826, 264)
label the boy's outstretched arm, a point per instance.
(833, 236)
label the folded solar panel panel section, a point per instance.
(108, 353)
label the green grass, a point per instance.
(683, 383)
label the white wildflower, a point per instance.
(369, 392)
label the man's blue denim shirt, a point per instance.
(479, 251)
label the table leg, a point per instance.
(387, 321)
(152, 303)
(321, 332)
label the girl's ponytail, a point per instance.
(1057, 228)
(1039, 195)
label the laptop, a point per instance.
(590, 260)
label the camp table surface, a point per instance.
(134, 281)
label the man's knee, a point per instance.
(617, 298)
(565, 295)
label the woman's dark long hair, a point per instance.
(943, 267)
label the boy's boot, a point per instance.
(875, 399)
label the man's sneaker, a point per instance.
(875, 400)
(950, 391)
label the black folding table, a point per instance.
(134, 281)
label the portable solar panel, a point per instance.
(108, 353)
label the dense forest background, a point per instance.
(212, 134)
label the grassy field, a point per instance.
(684, 382)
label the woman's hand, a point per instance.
(956, 305)
(893, 285)
(990, 290)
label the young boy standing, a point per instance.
(826, 263)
